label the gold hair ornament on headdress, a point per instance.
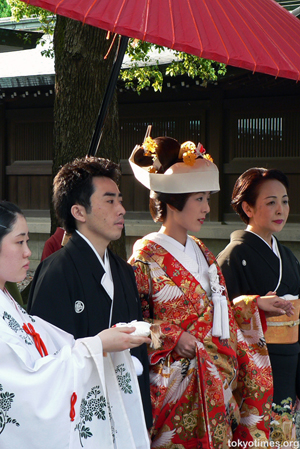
(189, 153)
(149, 146)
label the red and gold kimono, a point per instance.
(225, 392)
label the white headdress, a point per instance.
(196, 172)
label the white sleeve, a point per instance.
(36, 399)
(72, 398)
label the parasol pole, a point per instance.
(96, 139)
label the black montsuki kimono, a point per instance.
(250, 267)
(67, 292)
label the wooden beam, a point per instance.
(29, 168)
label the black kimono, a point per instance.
(250, 267)
(67, 292)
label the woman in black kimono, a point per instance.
(255, 262)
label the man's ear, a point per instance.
(247, 209)
(78, 212)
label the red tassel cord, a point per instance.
(39, 344)
(73, 402)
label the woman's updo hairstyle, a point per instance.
(8, 216)
(247, 187)
(167, 151)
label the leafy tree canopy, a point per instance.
(5, 10)
(137, 77)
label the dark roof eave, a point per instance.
(12, 40)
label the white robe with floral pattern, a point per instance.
(36, 410)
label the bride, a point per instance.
(210, 384)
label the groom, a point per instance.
(84, 288)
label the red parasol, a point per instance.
(258, 35)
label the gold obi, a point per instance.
(284, 329)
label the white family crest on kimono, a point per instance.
(74, 397)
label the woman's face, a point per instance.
(191, 217)
(271, 209)
(14, 253)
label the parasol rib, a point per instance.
(287, 43)
(172, 23)
(241, 39)
(196, 28)
(118, 16)
(288, 60)
(221, 39)
(57, 6)
(146, 19)
(254, 35)
(88, 11)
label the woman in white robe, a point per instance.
(56, 392)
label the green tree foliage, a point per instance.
(141, 74)
(5, 10)
(21, 9)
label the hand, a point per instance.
(186, 346)
(118, 339)
(273, 305)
